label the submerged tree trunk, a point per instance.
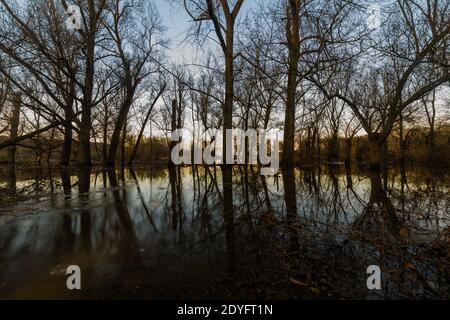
(228, 216)
(65, 181)
(348, 175)
(293, 225)
(379, 195)
(12, 180)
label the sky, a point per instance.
(177, 21)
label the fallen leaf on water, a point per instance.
(304, 284)
(409, 265)
(404, 232)
(297, 282)
(315, 290)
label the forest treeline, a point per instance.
(156, 150)
(344, 80)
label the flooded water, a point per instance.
(207, 232)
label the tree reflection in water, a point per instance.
(228, 232)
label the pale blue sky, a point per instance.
(177, 22)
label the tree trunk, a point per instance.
(173, 128)
(141, 133)
(431, 117)
(376, 150)
(65, 181)
(84, 137)
(50, 148)
(318, 144)
(432, 139)
(348, 175)
(293, 40)
(84, 154)
(67, 143)
(229, 93)
(378, 195)
(228, 216)
(173, 196)
(402, 141)
(431, 142)
(66, 153)
(124, 140)
(12, 180)
(14, 129)
(67, 146)
(348, 150)
(121, 119)
(105, 140)
(333, 154)
(291, 210)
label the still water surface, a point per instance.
(196, 232)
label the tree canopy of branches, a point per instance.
(315, 69)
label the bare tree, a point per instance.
(144, 124)
(136, 52)
(14, 126)
(222, 15)
(413, 41)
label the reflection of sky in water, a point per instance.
(174, 236)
